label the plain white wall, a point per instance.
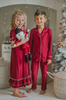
(47, 3)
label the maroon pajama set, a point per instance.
(41, 49)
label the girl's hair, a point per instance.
(38, 12)
(14, 16)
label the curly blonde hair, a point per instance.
(14, 16)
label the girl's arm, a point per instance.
(20, 43)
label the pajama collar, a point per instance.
(44, 30)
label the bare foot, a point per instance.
(30, 90)
(18, 95)
(21, 92)
(42, 92)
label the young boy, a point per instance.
(41, 48)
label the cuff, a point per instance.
(12, 39)
(49, 58)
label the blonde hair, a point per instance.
(14, 16)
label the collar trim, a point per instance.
(43, 31)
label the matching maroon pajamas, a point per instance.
(41, 49)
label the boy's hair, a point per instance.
(38, 12)
(14, 16)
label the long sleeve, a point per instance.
(31, 40)
(50, 46)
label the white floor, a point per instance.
(6, 94)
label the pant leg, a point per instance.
(35, 67)
(28, 49)
(44, 68)
(24, 47)
(25, 51)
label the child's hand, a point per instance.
(49, 62)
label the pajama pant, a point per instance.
(44, 69)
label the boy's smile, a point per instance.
(40, 20)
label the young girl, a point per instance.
(19, 69)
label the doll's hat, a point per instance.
(17, 30)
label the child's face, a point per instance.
(40, 20)
(20, 21)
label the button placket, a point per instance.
(40, 41)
